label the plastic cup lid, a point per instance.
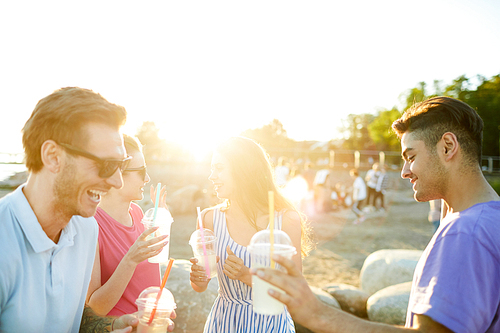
(161, 215)
(208, 236)
(282, 241)
(147, 298)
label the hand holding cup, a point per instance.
(298, 297)
(143, 248)
(198, 273)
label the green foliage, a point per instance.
(495, 183)
(481, 94)
(486, 100)
(381, 132)
(356, 129)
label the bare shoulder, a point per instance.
(291, 221)
(291, 216)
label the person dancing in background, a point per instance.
(242, 176)
(358, 195)
(380, 190)
(121, 271)
(371, 179)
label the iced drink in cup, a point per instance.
(260, 251)
(206, 256)
(163, 221)
(146, 304)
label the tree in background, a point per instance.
(157, 149)
(272, 136)
(365, 131)
(380, 130)
(356, 132)
(486, 100)
(153, 146)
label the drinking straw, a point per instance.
(207, 269)
(271, 225)
(163, 282)
(158, 187)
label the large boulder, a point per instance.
(325, 297)
(192, 307)
(385, 268)
(390, 304)
(350, 298)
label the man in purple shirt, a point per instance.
(456, 285)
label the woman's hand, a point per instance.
(198, 273)
(235, 269)
(143, 249)
(163, 196)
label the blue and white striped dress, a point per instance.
(232, 311)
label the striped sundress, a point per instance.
(232, 311)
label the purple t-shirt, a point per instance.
(457, 280)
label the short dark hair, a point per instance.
(430, 119)
(61, 116)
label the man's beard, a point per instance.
(66, 191)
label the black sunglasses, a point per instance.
(107, 166)
(142, 171)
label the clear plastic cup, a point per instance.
(260, 251)
(146, 303)
(197, 245)
(163, 220)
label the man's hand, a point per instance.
(298, 297)
(125, 323)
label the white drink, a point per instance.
(163, 220)
(212, 262)
(263, 303)
(163, 256)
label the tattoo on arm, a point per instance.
(91, 322)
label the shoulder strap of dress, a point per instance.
(278, 220)
(218, 222)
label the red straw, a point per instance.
(163, 282)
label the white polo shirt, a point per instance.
(42, 284)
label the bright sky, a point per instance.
(205, 70)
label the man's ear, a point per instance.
(449, 145)
(51, 155)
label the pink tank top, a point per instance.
(114, 241)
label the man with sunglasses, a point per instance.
(74, 152)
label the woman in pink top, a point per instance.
(121, 271)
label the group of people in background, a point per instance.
(324, 192)
(74, 252)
